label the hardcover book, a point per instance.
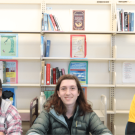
(77, 46)
(47, 74)
(9, 94)
(3, 71)
(79, 69)
(48, 48)
(78, 19)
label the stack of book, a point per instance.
(50, 75)
(125, 20)
(50, 23)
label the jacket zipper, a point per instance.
(60, 121)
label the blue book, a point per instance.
(9, 94)
(132, 21)
(45, 22)
(49, 19)
(42, 47)
(48, 48)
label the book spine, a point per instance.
(48, 48)
(42, 73)
(50, 75)
(54, 75)
(45, 22)
(57, 74)
(132, 21)
(47, 74)
(49, 19)
(122, 11)
(4, 71)
(125, 21)
(120, 20)
(53, 22)
(42, 21)
(1, 71)
(56, 22)
(42, 42)
(63, 71)
(128, 14)
(60, 73)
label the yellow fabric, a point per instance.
(132, 111)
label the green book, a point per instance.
(46, 94)
(49, 93)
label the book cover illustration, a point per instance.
(79, 69)
(9, 45)
(78, 18)
(77, 46)
(9, 95)
(11, 71)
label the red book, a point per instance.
(47, 74)
(63, 71)
(54, 75)
(53, 22)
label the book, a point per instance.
(42, 22)
(60, 73)
(44, 75)
(85, 91)
(45, 22)
(9, 95)
(43, 46)
(54, 75)
(53, 22)
(79, 69)
(8, 45)
(42, 72)
(78, 20)
(3, 71)
(11, 71)
(125, 21)
(48, 48)
(56, 22)
(132, 21)
(77, 46)
(57, 74)
(63, 71)
(47, 74)
(50, 22)
(51, 75)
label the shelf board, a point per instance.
(20, 2)
(125, 59)
(122, 111)
(20, 58)
(22, 32)
(68, 58)
(22, 85)
(125, 85)
(77, 2)
(87, 85)
(126, 2)
(128, 32)
(78, 32)
(110, 112)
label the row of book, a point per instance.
(45, 47)
(50, 75)
(125, 20)
(50, 23)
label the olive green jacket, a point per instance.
(52, 123)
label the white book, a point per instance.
(1, 71)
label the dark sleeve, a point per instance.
(41, 125)
(96, 126)
(130, 128)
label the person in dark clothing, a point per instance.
(68, 112)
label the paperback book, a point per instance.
(79, 69)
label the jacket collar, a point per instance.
(61, 117)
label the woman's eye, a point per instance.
(72, 88)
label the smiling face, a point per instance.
(68, 92)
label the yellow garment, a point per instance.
(132, 111)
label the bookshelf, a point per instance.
(107, 50)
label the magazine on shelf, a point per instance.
(79, 69)
(77, 46)
(8, 45)
(9, 94)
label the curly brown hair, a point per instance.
(56, 102)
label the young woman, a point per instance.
(67, 112)
(10, 120)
